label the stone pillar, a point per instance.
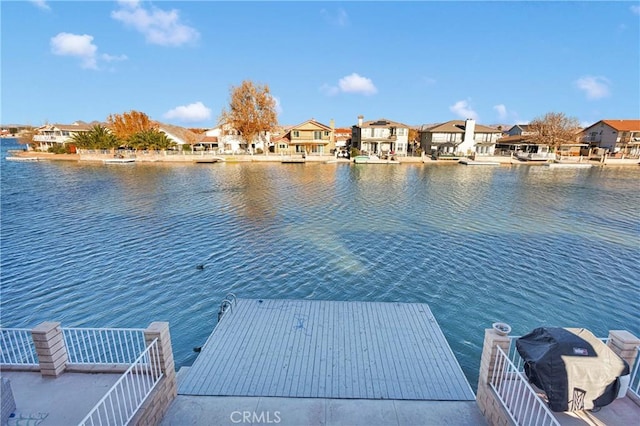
(160, 331)
(49, 343)
(624, 344)
(484, 395)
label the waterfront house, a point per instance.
(179, 135)
(56, 135)
(229, 141)
(459, 138)
(310, 137)
(618, 137)
(380, 137)
(342, 137)
(519, 130)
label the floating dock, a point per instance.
(327, 349)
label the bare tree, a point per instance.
(252, 110)
(553, 129)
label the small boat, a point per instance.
(470, 162)
(373, 159)
(206, 160)
(535, 156)
(25, 159)
(119, 160)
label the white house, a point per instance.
(52, 135)
(380, 137)
(230, 142)
(616, 136)
(458, 137)
(180, 135)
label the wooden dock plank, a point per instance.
(327, 349)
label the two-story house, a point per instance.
(616, 136)
(56, 135)
(458, 138)
(380, 137)
(309, 138)
(227, 140)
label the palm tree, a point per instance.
(99, 137)
(150, 139)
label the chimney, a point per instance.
(469, 130)
(360, 118)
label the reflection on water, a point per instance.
(95, 245)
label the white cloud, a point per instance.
(158, 26)
(41, 4)
(113, 58)
(329, 90)
(635, 9)
(81, 46)
(462, 109)
(594, 87)
(502, 111)
(355, 83)
(189, 113)
(340, 19)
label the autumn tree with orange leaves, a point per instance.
(128, 124)
(252, 110)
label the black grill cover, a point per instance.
(576, 370)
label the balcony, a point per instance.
(50, 138)
(45, 375)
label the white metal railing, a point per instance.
(634, 382)
(17, 347)
(516, 394)
(128, 394)
(103, 345)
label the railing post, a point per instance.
(160, 330)
(624, 344)
(49, 343)
(487, 402)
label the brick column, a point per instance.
(49, 343)
(624, 344)
(160, 330)
(484, 395)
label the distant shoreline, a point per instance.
(182, 158)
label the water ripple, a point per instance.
(106, 246)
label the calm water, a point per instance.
(95, 245)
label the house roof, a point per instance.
(622, 125)
(311, 121)
(515, 139)
(523, 127)
(382, 122)
(457, 126)
(68, 127)
(207, 139)
(183, 133)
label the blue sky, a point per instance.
(413, 62)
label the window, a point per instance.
(296, 134)
(317, 134)
(326, 133)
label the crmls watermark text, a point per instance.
(265, 417)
